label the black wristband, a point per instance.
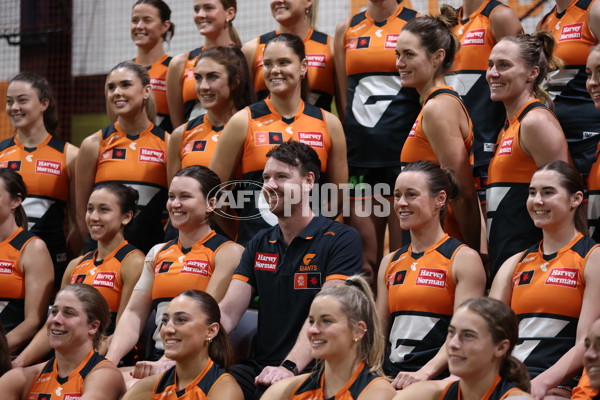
(290, 366)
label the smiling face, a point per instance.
(288, 11)
(125, 93)
(592, 68)
(24, 108)
(184, 329)
(187, 206)
(104, 217)
(591, 357)
(211, 17)
(549, 204)
(67, 325)
(507, 75)
(282, 69)
(212, 84)
(470, 347)
(413, 203)
(415, 66)
(146, 28)
(284, 187)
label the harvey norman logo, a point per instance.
(266, 261)
(6, 267)
(48, 167)
(506, 147)
(316, 60)
(431, 277)
(567, 277)
(105, 279)
(197, 267)
(151, 155)
(391, 39)
(571, 32)
(475, 37)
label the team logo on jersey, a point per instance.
(506, 147)
(163, 267)
(431, 277)
(40, 396)
(158, 84)
(154, 156)
(48, 167)
(78, 278)
(72, 396)
(399, 277)
(313, 139)
(264, 138)
(571, 32)
(307, 263)
(105, 279)
(523, 278)
(14, 165)
(316, 60)
(476, 37)
(567, 277)
(413, 130)
(361, 42)
(194, 145)
(266, 261)
(391, 39)
(196, 267)
(118, 153)
(6, 267)
(309, 280)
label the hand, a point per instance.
(405, 379)
(146, 368)
(539, 388)
(270, 375)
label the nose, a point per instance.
(399, 63)
(593, 79)
(590, 354)
(203, 84)
(313, 329)
(453, 342)
(93, 215)
(537, 198)
(167, 327)
(492, 71)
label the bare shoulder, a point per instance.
(424, 390)
(284, 388)
(380, 389)
(226, 388)
(15, 384)
(519, 395)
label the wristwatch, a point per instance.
(290, 366)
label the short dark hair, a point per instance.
(298, 155)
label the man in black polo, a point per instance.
(287, 265)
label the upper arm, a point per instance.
(339, 56)
(235, 302)
(337, 164)
(142, 389)
(71, 154)
(173, 153)
(542, 137)
(469, 275)
(87, 162)
(175, 89)
(591, 296)
(226, 388)
(39, 276)
(594, 19)
(382, 303)
(380, 389)
(130, 271)
(230, 148)
(105, 382)
(283, 389)
(424, 390)
(504, 22)
(226, 261)
(249, 50)
(502, 284)
(14, 384)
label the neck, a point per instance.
(187, 238)
(300, 27)
(474, 389)
(337, 373)
(470, 6)
(7, 228)
(34, 136)
(107, 247)
(67, 361)
(134, 126)
(287, 106)
(424, 237)
(514, 105)
(556, 239)
(188, 370)
(381, 10)
(293, 225)
(434, 83)
(219, 117)
(561, 5)
(222, 39)
(147, 57)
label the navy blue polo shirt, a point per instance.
(287, 278)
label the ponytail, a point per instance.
(16, 188)
(516, 372)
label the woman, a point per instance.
(151, 27)
(532, 137)
(575, 27)
(377, 113)
(592, 70)
(113, 269)
(481, 24)
(552, 286)
(26, 275)
(589, 384)
(131, 151)
(442, 132)
(284, 115)
(214, 20)
(194, 338)
(223, 87)
(481, 337)
(46, 163)
(345, 339)
(298, 17)
(74, 328)
(199, 259)
(421, 285)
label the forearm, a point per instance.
(436, 365)
(35, 351)
(22, 333)
(300, 353)
(570, 364)
(125, 336)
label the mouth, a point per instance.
(95, 227)
(453, 358)
(317, 342)
(55, 332)
(207, 97)
(404, 74)
(496, 85)
(120, 103)
(171, 341)
(540, 212)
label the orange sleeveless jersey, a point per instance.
(104, 275)
(165, 387)
(313, 387)
(48, 385)
(199, 142)
(158, 81)
(584, 391)
(177, 270)
(321, 70)
(500, 389)
(547, 297)
(188, 81)
(421, 303)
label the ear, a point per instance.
(147, 91)
(230, 14)
(45, 104)
(438, 57)
(94, 326)
(576, 200)
(166, 26)
(360, 328)
(441, 198)
(502, 348)
(213, 330)
(533, 73)
(16, 202)
(127, 217)
(303, 67)
(309, 180)
(211, 204)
